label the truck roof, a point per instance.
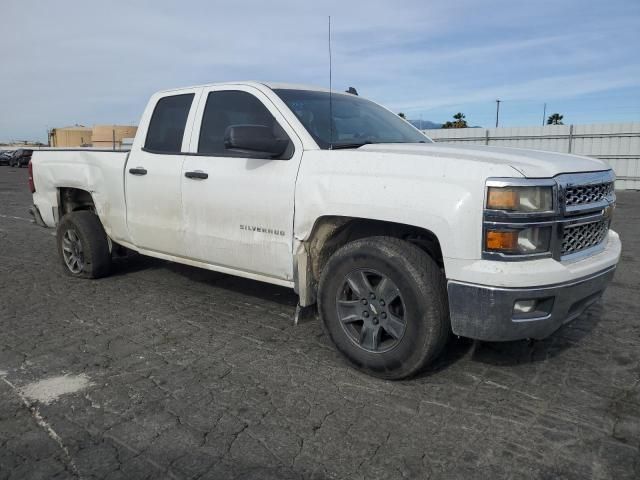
(253, 83)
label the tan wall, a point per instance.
(70, 137)
(102, 135)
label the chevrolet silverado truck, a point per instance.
(398, 240)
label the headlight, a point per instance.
(519, 218)
(519, 242)
(520, 199)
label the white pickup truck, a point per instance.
(399, 241)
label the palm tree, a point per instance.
(459, 121)
(555, 119)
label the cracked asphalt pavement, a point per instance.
(186, 373)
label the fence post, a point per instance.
(570, 137)
(486, 136)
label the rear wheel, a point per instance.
(383, 303)
(83, 245)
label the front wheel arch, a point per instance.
(331, 232)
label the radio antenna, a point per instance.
(330, 94)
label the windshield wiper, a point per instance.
(349, 145)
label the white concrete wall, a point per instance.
(616, 143)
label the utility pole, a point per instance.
(544, 114)
(497, 111)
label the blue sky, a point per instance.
(69, 62)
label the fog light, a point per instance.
(524, 306)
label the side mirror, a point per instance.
(254, 140)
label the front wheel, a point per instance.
(383, 303)
(83, 245)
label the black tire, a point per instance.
(420, 296)
(94, 245)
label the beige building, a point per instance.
(75, 136)
(98, 136)
(110, 136)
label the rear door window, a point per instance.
(168, 123)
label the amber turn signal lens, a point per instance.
(499, 198)
(505, 241)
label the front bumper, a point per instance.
(487, 313)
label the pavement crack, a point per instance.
(42, 423)
(295, 458)
(236, 435)
(318, 426)
(140, 454)
(375, 452)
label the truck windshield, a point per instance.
(355, 121)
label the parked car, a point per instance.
(21, 157)
(5, 157)
(399, 240)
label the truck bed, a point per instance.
(98, 172)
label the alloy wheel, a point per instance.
(72, 251)
(371, 310)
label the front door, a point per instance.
(238, 207)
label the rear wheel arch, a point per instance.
(71, 199)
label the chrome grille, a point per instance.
(582, 194)
(581, 237)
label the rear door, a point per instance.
(153, 173)
(238, 208)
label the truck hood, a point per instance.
(530, 163)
